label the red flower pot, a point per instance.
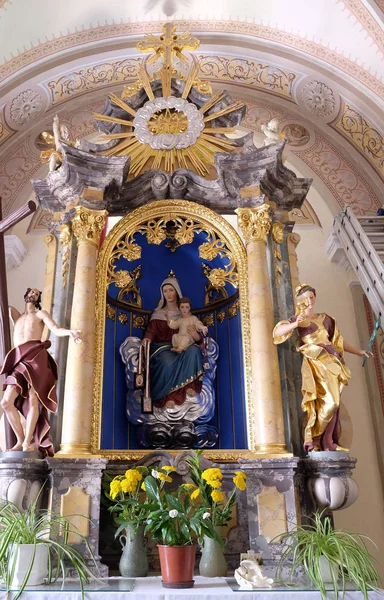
(177, 565)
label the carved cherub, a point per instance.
(271, 132)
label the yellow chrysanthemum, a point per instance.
(164, 477)
(133, 474)
(239, 482)
(114, 489)
(212, 473)
(241, 474)
(168, 468)
(189, 486)
(215, 483)
(217, 496)
(143, 487)
(129, 485)
(195, 494)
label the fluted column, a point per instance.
(255, 225)
(87, 226)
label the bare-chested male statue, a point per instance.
(31, 375)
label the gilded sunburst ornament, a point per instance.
(169, 131)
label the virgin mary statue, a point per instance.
(181, 384)
(172, 375)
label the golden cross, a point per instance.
(168, 45)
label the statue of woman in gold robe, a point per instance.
(324, 372)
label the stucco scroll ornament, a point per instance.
(250, 576)
(255, 223)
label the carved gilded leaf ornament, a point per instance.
(155, 231)
(170, 131)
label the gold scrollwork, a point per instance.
(130, 287)
(209, 251)
(208, 320)
(278, 232)
(233, 310)
(255, 223)
(221, 315)
(210, 289)
(65, 240)
(111, 312)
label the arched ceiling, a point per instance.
(316, 66)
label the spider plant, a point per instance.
(346, 552)
(39, 526)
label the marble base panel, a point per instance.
(22, 477)
(76, 490)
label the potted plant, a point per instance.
(130, 514)
(34, 547)
(329, 555)
(208, 491)
(176, 521)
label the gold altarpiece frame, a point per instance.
(208, 221)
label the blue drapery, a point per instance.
(170, 371)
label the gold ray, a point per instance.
(100, 117)
(143, 75)
(190, 79)
(118, 147)
(116, 136)
(212, 140)
(224, 111)
(219, 130)
(122, 104)
(217, 96)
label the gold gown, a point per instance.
(324, 374)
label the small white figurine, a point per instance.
(250, 576)
(271, 132)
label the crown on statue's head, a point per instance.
(172, 274)
(300, 287)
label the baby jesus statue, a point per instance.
(182, 340)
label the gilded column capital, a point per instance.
(255, 223)
(88, 224)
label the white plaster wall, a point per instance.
(334, 297)
(31, 272)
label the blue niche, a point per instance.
(224, 374)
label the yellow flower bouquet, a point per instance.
(207, 490)
(125, 504)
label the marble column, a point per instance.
(293, 240)
(255, 225)
(87, 226)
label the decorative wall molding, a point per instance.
(5, 132)
(341, 177)
(363, 135)
(248, 72)
(362, 14)
(94, 35)
(91, 78)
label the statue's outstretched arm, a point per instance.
(59, 331)
(353, 350)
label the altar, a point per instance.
(205, 588)
(201, 232)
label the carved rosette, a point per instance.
(87, 225)
(255, 223)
